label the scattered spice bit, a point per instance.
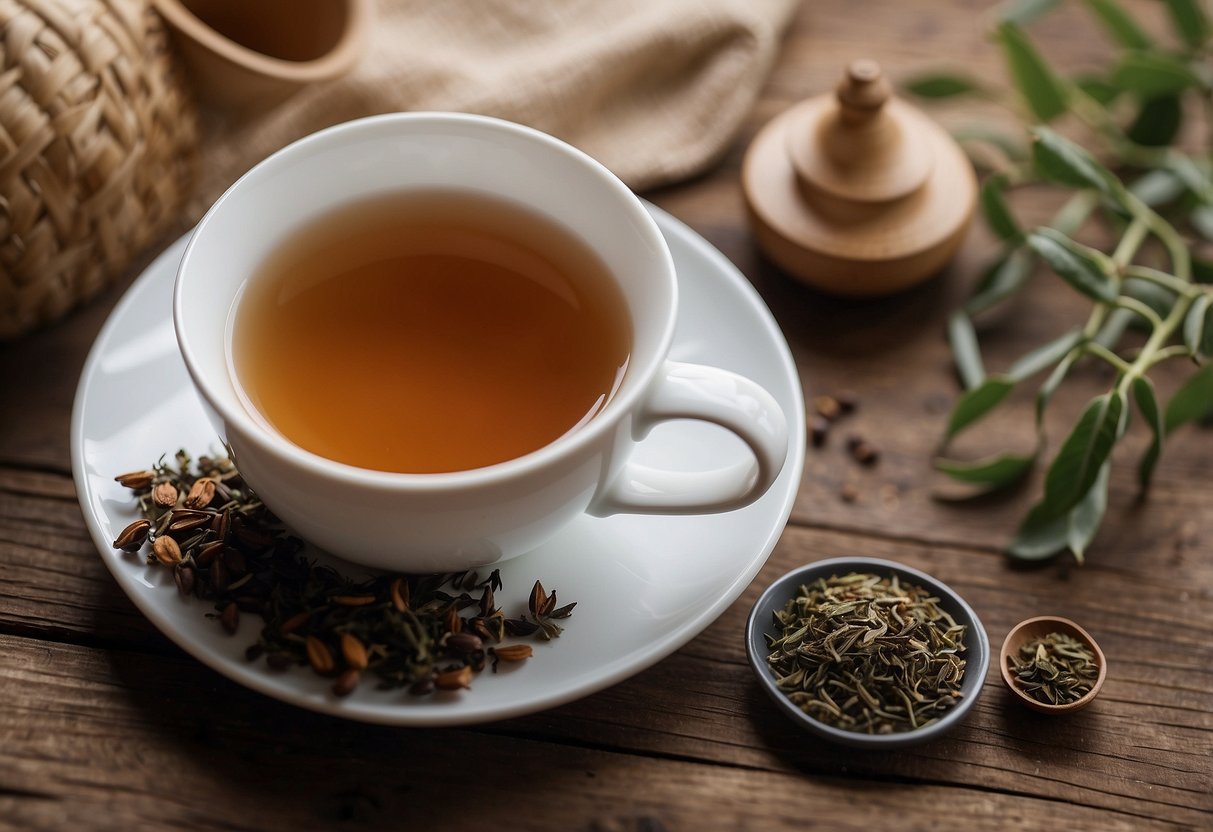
(827, 407)
(819, 430)
(1056, 670)
(849, 492)
(862, 451)
(867, 653)
(848, 402)
(227, 548)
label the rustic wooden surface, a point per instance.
(103, 723)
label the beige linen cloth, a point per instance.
(654, 89)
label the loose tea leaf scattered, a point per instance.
(1056, 670)
(421, 632)
(868, 653)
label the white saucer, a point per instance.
(644, 585)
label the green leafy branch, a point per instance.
(1151, 280)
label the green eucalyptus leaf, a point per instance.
(1045, 356)
(1158, 121)
(1152, 73)
(1100, 89)
(1085, 450)
(1120, 25)
(1024, 12)
(1003, 278)
(1040, 88)
(976, 403)
(994, 472)
(1088, 514)
(1202, 220)
(1191, 402)
(965, 350)
(1158, 187)
(1147, 403)
(1189, 21)
(1114, 327)
(1042, 536)
(1011, 146)
(1060, 160)
(1081, 267)
(944, 85)
(1198, 328)
(995, 209)
(1196, 178)
(1046, 391)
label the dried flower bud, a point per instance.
(184, 521)
(132, 537)
(220, 575)
(454, 679)
(184, 575)
(136, 480)
(294, 623)
(205, 555)
(230, 617)
(221, 523)
(346, 682)
(165, 494)
(464, 643)
(513, 652)
(319, 657)
(201, 493)
(167, 550)
(353, 651)
(400, 595)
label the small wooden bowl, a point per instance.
(248, 55)
(1039, 627)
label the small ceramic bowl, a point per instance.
(246, 55)
(1034, 628)
(976, 655)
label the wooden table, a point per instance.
(104, 723)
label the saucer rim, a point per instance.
(623, 667)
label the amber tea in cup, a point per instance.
(429, 331)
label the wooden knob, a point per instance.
(860, 148)
(857, 192)
(863, 90)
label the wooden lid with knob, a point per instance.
(856, 192)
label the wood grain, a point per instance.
(105, 724)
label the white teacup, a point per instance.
(453, 521)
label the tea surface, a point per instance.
(429, 332)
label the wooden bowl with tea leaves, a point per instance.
(868, 653)
(1052, 665)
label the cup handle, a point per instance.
(709, 394)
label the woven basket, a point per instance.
(97, 137)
